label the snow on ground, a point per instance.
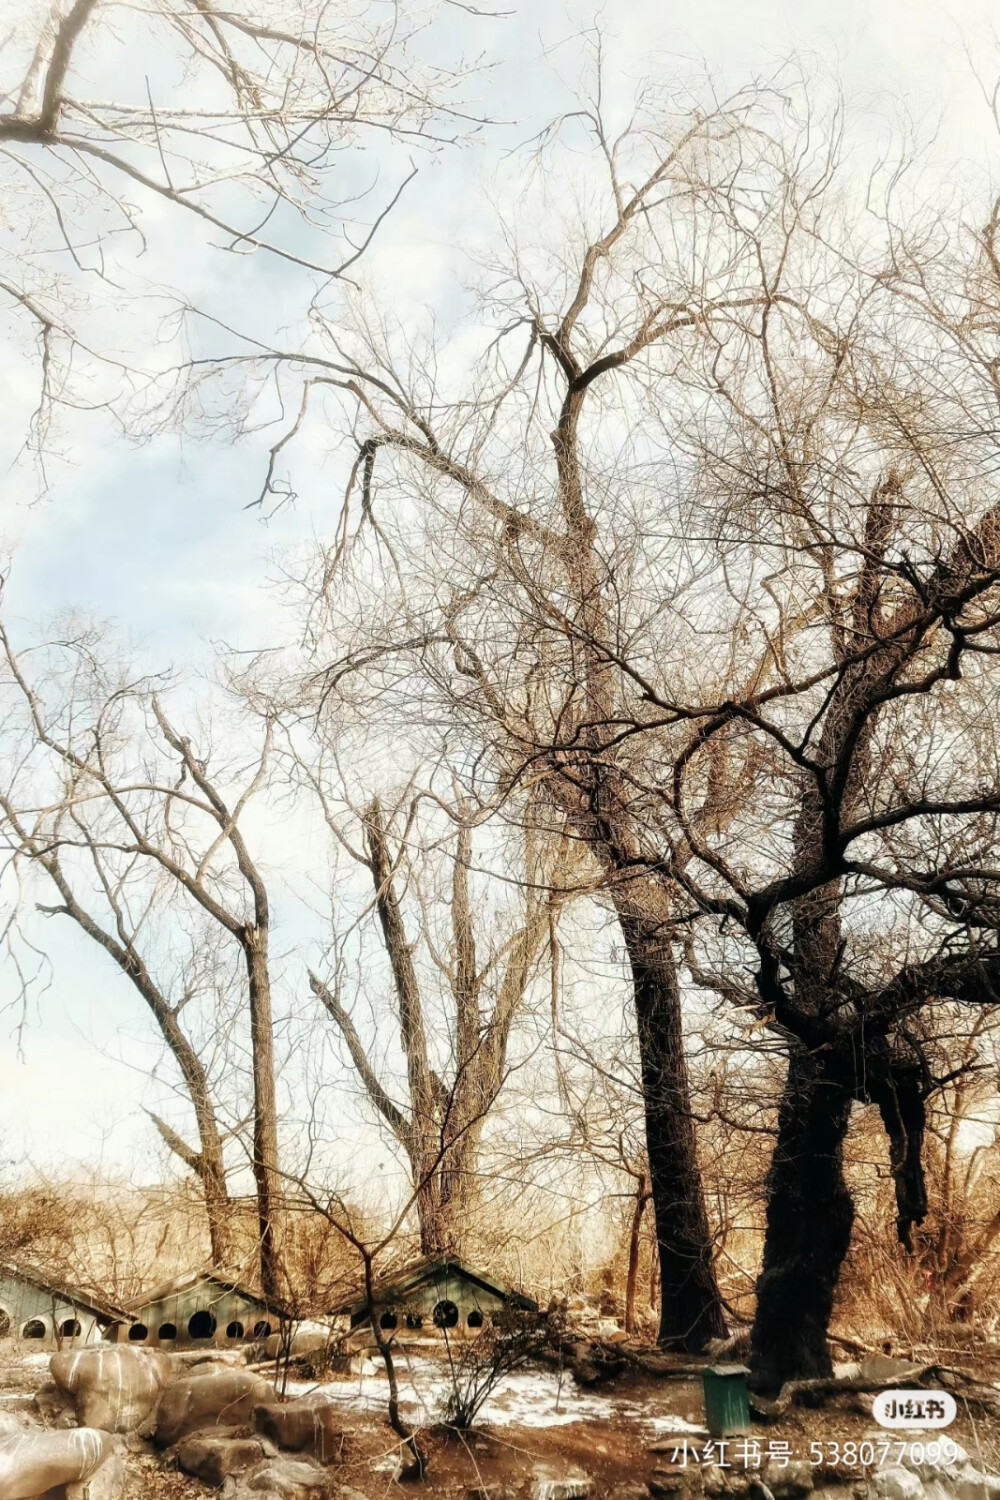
(528, 1398)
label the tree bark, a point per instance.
(631, 1280)
(808, 1229)
(208, 1166)
(266, 1169)
(691, 1310)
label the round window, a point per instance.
(475, 1318)
(445, 1314)
(33, 1329)
(70, 1329)
(138, 1333)
(388, 1319)
(202, 1325)
(234, 1331)
(262, 1330)
(167, 1331)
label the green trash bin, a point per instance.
(727, 1408)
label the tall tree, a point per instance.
(131, 825)
(543, 509)
(454, 1073)
(847, 476)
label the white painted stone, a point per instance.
(570, 1487)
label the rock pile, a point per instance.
(215, 1420)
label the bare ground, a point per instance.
(539, 1422)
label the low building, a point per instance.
(199, 1310)
(37, 1307)
(441, 1296)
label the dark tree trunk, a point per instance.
(690, 1306)
(809, 1219)
(901, 1103)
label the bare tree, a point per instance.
(542, 516)
(233, 118)
(551, 552)
(453, 1079)
(129, 822)
(849, 487)
(730, 669)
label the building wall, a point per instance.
(24, 1306)
(222, 1319)
(449, 1296)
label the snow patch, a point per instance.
(529, 1398)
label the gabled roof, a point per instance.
(399, 1284)
(215, 1281)
(105, 1312)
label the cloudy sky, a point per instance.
(157, 538)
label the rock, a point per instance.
(789, 1481)
(912, 1454)
(972, 1485)
(213, 1459)
(306, 1426)
(36, 1461)
(289, 1479)
(570, 1487)
(55, 1407)
(676, 1482)
(897, 1484)
(22, 1401)
(188, 1360)
(222, 1398)
(133, 1443)
(114, 1388)
(307, 1338)
(671, 1440)
(881, 1368)
(106, 1483)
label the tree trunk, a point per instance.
(209, 1168)
(631, 1280)
(690, 1306)
(265, 1119)
(432, 1217)
(808, 1229)
(218, 1210)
